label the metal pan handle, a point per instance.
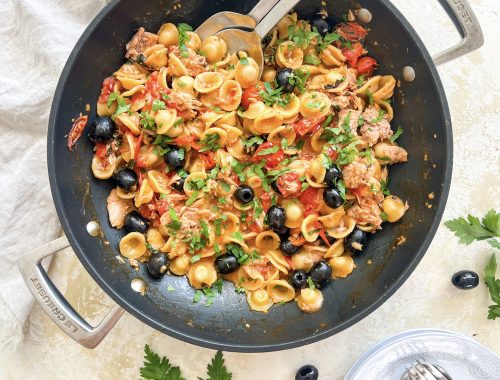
(468, 26)
(53, 302)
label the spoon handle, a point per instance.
(274, 15)
(261, 9)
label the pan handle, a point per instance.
(53, 302)
(466, 22)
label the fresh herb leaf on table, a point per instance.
(471, 229)
(493, 285)
(156, 368)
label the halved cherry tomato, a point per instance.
(288, 259)
(289, 184)
(108, 86)
(353, 53)
(137, 146)
(332, 153)
(265, 198)
(322, 235)
(101, 150)
(76, 130)
(304, 126)
(297, 239)
(153, 86)
(161, 206)
(272, 159)
(189, 140)
(352, 31)
(366, 65)
(208, 159)
(311, 199)
(251, 95)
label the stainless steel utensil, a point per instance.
(237, 39)
(223, 20)
(423, 370)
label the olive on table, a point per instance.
(102, 129)
(226, 263)
(288, 248)
(276, 217)
(332, 197)
(175, 157)
(320, 274)
(126, 178)
(356, 241)
(332, 173)
(298, 279)
(307, 372)
(321, 25)
(179, 185)
(283, 79)
(135, 222)
(465, 279)
(244, 194)
(157, 264)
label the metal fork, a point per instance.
(423, 370)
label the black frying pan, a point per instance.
(420, 108)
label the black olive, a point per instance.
(175, 157)
(275, 187)
(135, 222)
(226, 263)
(282, 78)
(331, 175)
(298, 279)
(276, 217)
(283, 233)
(330, 239)
(244, 194)
(307, 372)
(141, 58)
(157, 264)
(126, 178)
(321, 25)
(179, 185)
(320, 274)
(356, 241)
(332, 197)
(102, 129)
(288, 248)
(465, 279)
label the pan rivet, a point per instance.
(364, 15)
(408, 74)
(93, 228)
(138, 285)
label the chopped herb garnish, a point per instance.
(266, 151)
(384, 187)
(210, 142)
(312, 59)
(328, 39)
(379, 117)
(370, 97)
(192, 198)
(158, 105)
(310, 283)
(360, 80)
(244, 61)
(395, 136)
(122, 104)
(195, 258)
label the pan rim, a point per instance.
(234, 347)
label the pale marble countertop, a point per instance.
(427, 299)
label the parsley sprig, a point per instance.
(472, 228)
(493, 285)
(156, 368)
(122, 103)
(183, 38)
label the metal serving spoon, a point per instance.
(237, 39)
(423, 370)
(223, 20)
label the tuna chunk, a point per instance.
(375, 128)
(353, 119)
(392, 153)
(355, 174)
(140, 42)
(117, 209)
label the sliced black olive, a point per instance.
(276, 217)
(356, 241)
(288, 248)
(283, 233)
(321, 25)
(244, 194)
(126, 178)
(157, 264)
(298, 279)
(226, 263)
(465, 279)
(102, 129)
(179, 185)
(332, 197)
(307, 372)
(275, 187)
(283, 79)
(332, 173)
(320, 274)
(141, 58)
(135, 222)
(175, 157)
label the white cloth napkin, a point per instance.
(36, 38)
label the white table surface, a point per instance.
(427, 299)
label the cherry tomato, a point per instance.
(189, 140)
(311, 199)
(366, 65)
(304, 126)
(101, 150)
(153, 86)
(76, 131)
(323, 237)
(251, 95)
(108, 86)
(353, 53)
(208, 159)
(352, 31)
(137, 146)
(332, 153)
(289, 184)
(271, 159)
(265, 198)
(161, 206)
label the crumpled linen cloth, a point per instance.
(36, 38)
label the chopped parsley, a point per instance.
(379, 117)
(184, 38)
(210, 142)
(122, 103)
(147, 121)
(312, 59)
(310, 283)
(244, 61)
(360, 80)
(384, 186)
(299, 79)
(176, 224)
(158, 105)
(328, 39)
(270, 150)
(370, 97)
(301, 37)
(394, 137)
